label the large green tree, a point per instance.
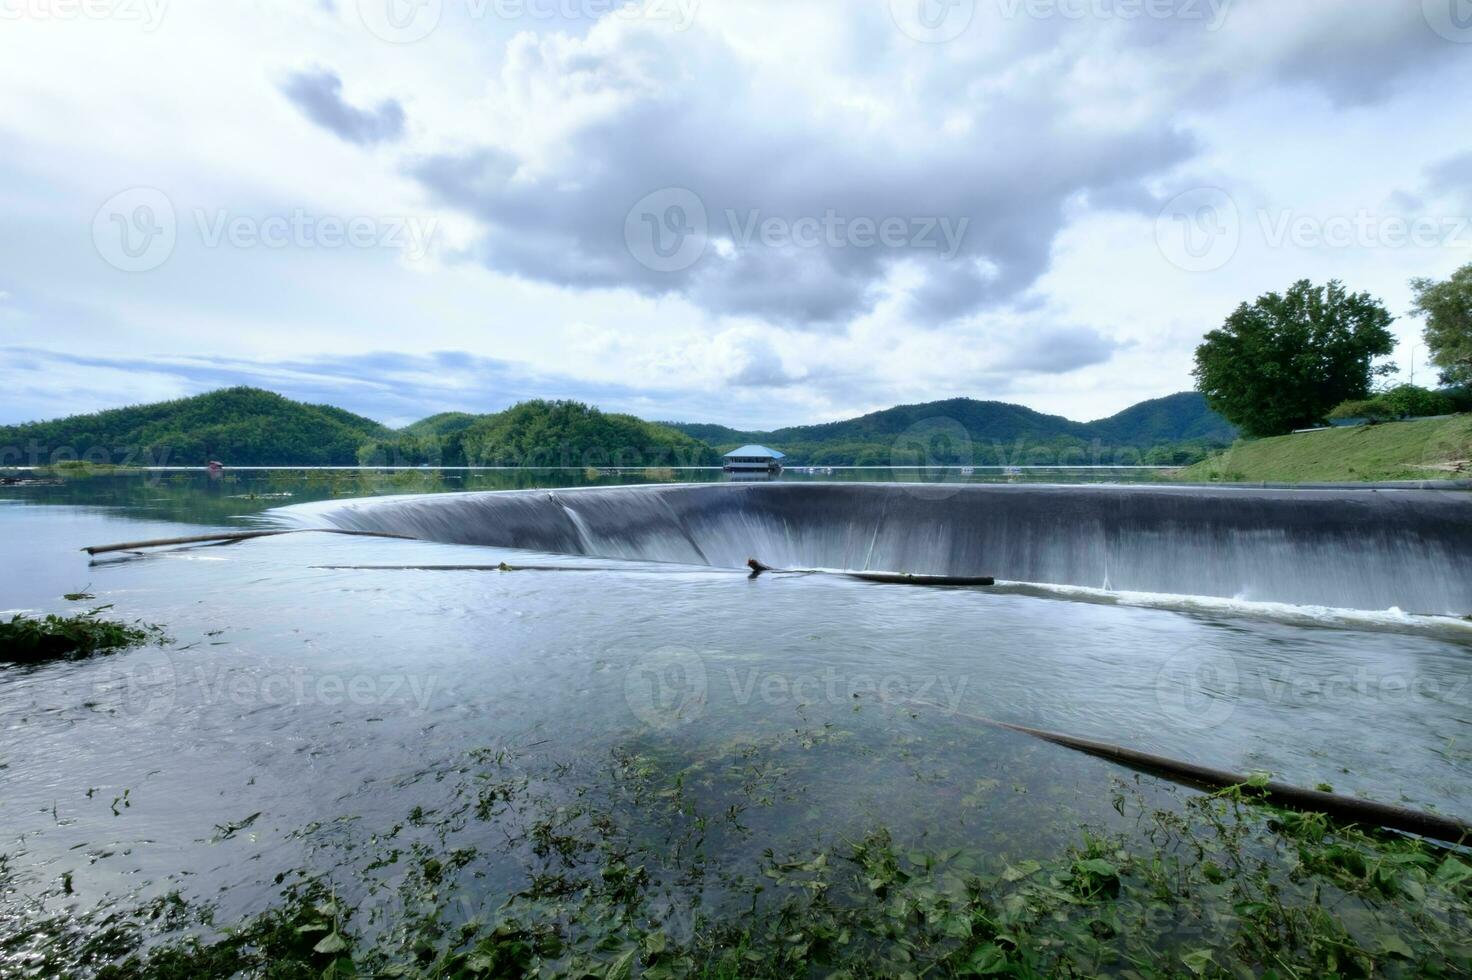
(1284, 361)
(1447, 307)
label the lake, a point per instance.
(302, 710)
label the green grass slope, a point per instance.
(240, 426)
(1427, 449)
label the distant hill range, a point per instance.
(1177, 428)
(251, 427)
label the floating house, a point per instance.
(754, 459)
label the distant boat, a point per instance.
(968, 471)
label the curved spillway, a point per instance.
(1347, 548)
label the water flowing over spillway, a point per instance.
(1362, 549)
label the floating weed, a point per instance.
(31, 640)
(630, 866)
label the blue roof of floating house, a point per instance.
(746, 452)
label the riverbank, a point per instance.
(1426, 449)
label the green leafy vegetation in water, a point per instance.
(1425, 449)
(31, 640)
(532, 873)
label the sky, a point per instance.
(753, 212)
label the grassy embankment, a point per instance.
(1427, 449)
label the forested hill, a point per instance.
(1173, 426)
(250, 427)
(538, 434)
(243, 426)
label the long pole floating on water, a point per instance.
(892, 578)
(102, 549)
(1344, 808)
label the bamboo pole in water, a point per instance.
(1344, 808)
(892, 578)
(101, 549)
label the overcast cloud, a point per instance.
(757, 213)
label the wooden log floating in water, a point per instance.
(1346, 809)
(893, 578)
(102, 549)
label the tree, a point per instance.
(1285, 361)
(1447, 307)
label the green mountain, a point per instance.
(242, 426)
(537, 434)
(568, 433)
(1182, 417)
(443, 424)
(250, 427)
(964, 430)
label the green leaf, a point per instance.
(620, 968)
(1020, 870)
(331, 943)
(1198, 961)
(1452, 872)
(1393, 945)
(1100, 867)
(987, 959)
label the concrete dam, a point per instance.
(1362, 549)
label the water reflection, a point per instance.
(195, 496)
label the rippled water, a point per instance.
(304, 694)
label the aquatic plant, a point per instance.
(521, 870)
(29, 640)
